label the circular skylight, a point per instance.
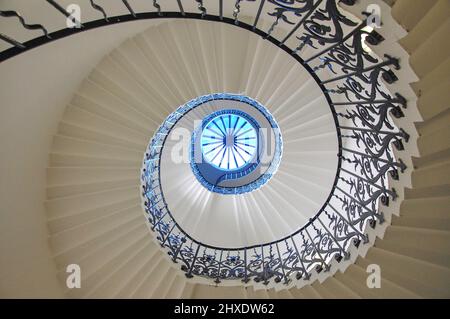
(237, 147)
(229, 140)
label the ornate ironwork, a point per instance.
(99, 8)
(352, 79)
(9, 13)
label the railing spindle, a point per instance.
(306, 16)
(389, 61)
(130, 9)
(363, 236)
(348, 36)
(189, 273)
(258, 14)
(324, 264)
(221, 9)
(99, 8)
(10, 13)
(180, 6)
(11, 41)
(67, 14)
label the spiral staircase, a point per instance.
(94, 199)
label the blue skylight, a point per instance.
(229, 142)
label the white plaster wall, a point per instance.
(35, 88)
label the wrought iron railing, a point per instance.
(362, 107)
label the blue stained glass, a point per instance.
(229, 142)
(216, 175)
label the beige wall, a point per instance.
(34, 90)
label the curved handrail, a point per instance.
(361, 106)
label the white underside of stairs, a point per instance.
(93, 205)
(93, 178)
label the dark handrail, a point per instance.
(362, 171)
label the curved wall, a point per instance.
(35, 88)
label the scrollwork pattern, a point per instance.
(364, 115)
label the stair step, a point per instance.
(431, 51)
(108, 286)
(77, 116)
(339, 290)
(424, 222)
(60, 176)
(61, 191)
(437, 174)
(75, 236)
(163, 282)
(117, 114)
(176, 288)
(70, 160)
(419, 277)
(355, 279)
(432, 159)
(82, 250)
(98, 100)
(100, 270)
(79, 203)
(256, 294)
(419, 243)
(112, 79)
(136, 274)
(435, 142)
(389, 289)
(81, 133)
(427, 192)
(66, 222)
(75, 146)
(164, 45)
(222, 292)
(145, 281)
(310, 293)
(409, 17)
(188, 290)
(433, 257)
